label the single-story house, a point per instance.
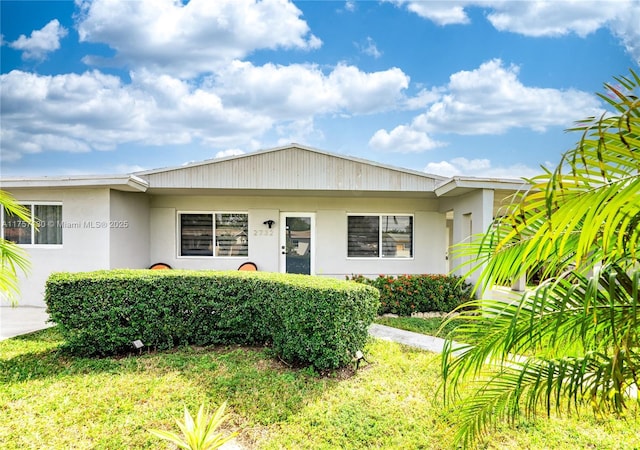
(287, 209)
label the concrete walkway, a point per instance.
(421, 341)
(15, 321)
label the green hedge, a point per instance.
(307, 320)
(406, 294)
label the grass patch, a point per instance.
(70, 402)
(429, 326)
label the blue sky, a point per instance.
(479, 88)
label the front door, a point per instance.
(297, 243)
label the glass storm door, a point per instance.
(296, 243)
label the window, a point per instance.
(196, 235)
(48, 219)
(380, 236)
(209, 234)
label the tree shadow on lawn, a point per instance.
(256, 385)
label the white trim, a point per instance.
(213, 235)
(380, 257)
(459, 183)
(131, 183)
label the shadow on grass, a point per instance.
(255, 385)
(39, 355)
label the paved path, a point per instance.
(18, 320)
(430, 343)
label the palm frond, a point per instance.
(574, 339)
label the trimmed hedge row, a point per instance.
(406, 294)
(307, 320)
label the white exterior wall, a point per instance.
(85, 242)
(151, 233)
(472, 214)
(129, 230)
(330, 232)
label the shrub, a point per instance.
(406, 294)
(308, 320)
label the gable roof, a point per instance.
(293, 167)
(290, 170)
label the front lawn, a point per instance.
(51, 400)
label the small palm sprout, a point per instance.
(198, 434)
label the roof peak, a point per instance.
(292, 146)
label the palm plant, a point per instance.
(574, 338)
(12, 257)
(199, 433)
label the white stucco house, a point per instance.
(287, 209)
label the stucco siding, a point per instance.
(472, 214)
(162, 235)
(129, 230)
(330, 232)
(85, 241)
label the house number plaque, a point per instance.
(268, 232)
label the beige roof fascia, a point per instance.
(129, 183)
(460, 185)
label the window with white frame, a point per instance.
(48, 220)
(213, 234)
(380, 236)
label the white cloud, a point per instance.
(363, 92)
(128, 168)
(97, 111)
(479, 168)
(625, 26)
(459, 166)
(403, 139)
(369, 48)
(442, 13)
(301, 130)
(288, 92)
(188, 39)
(423, 99)
(41, 42)
(542, 18)
(229, 152)
(490, 100)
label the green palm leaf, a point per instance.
(13, 259)
(574, 339)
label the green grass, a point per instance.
(428, 326)
(48, 399)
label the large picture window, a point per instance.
(214, 234)
(48, 229)
(387, 236)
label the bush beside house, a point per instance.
(307, 320)
(407, 294)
